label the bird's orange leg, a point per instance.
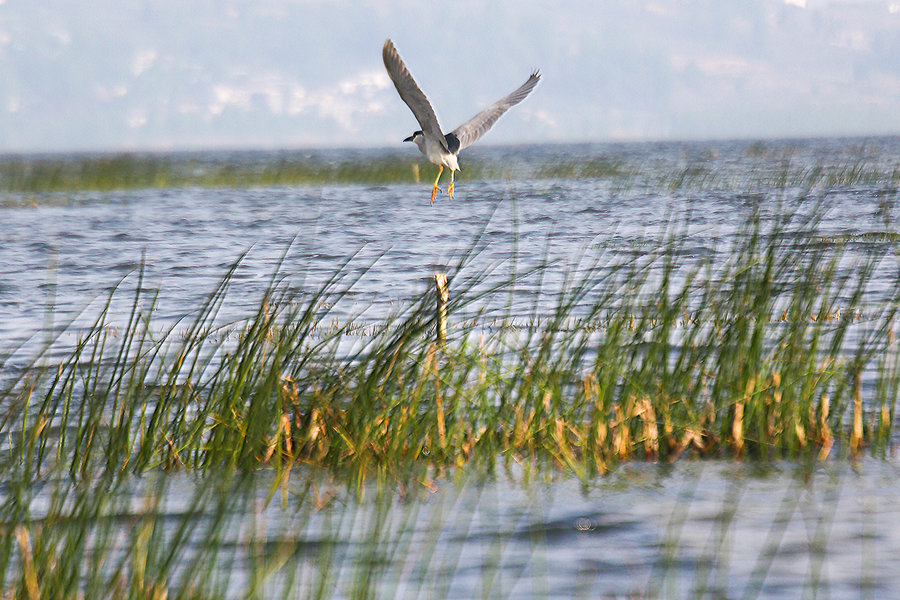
(450, 189)
(436, 188)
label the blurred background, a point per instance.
(169, 75)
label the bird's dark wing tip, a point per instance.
(452, 142)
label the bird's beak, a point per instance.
(409, 139)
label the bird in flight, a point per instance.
(442, 149)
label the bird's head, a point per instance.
(415, 137)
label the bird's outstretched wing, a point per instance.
(469, 132)
(410, 92)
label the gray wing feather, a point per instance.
(411, 93)
(469, 132)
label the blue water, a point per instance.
(62, 253)
(692, 530)
(650, 531)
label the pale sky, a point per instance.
(187, 74)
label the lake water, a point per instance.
(64, 251)
(835, 534)
(696, 530)
(691, 530)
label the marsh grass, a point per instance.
(766, 349)
(142, 171)
(742, 168)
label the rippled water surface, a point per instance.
(695, 530)
(62, 251)
(692, 530)
(722, 530)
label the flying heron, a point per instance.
(443, 150)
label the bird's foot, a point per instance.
(434, 192)
(450, 191)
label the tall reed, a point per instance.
(766, 349)
(770, 347)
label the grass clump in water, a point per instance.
(769, 348)
(735, 166)
(766, 350)
(42, 174)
